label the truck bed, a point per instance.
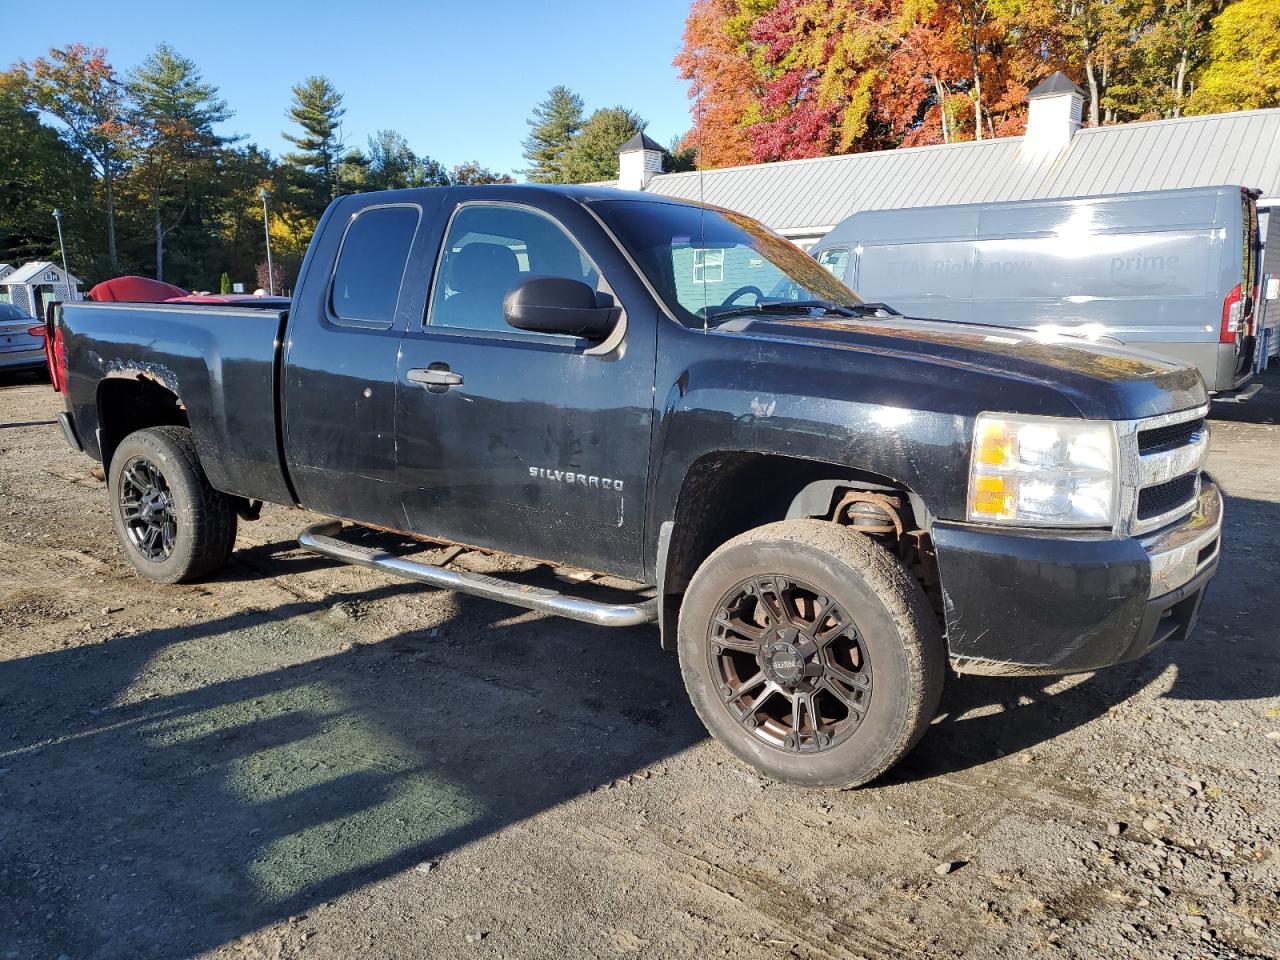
(222, 361)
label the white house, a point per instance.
(32, 286)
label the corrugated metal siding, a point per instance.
(795, 195)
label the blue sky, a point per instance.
(458, 79)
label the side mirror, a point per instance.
(559, 305)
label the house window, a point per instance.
(708, 266)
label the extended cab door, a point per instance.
(528, 443)
(354, 303)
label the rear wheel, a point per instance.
(173, 526)
(810, 653)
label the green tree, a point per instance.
(554, 125)
(38, 171)
(173, 111)
(314, 169)
(78, 86)
(678, 158)
(594, 154)
(1243, 69)
(233, 222)
(392, 165)
(471, 172)
(224, 283)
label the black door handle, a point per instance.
(436, 377)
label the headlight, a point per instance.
(1043, 471)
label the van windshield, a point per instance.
(709, 265)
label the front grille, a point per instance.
(1173, 435)
(1164, 497)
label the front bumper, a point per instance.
(1024, 604)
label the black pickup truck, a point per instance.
(819, 502)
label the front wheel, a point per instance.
(811, 653)
(174, 527)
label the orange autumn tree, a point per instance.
(723, 83)
(787, 79)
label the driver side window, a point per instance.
(492, 248)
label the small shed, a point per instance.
(33, 285)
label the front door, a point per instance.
(528, 443)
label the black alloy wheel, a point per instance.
(791, 665)
(173, 525)
(146, 507)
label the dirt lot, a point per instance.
(303, 759)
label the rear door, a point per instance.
(540, 445)
(341, 354)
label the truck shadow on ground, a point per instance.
(150, 807)
(150, 810)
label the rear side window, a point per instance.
(371, 264)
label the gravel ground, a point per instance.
(304, 759)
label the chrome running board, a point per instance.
(319, 538)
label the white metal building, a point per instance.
(804, 199)
(35, 284)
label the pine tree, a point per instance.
(554, 125)
(392, 165)
(174, 112)
(594, 154)
(314, 168)
(224, 285)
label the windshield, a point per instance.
(709, 264)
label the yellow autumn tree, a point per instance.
(1243, 71)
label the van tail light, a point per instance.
(1231, 307)
(54, 350)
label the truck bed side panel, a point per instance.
(219, 362)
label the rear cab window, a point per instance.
(371, 264)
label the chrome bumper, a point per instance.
(1180, 552)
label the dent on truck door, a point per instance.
(524, 442)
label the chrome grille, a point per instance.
(1161, 462)
(1172, 435)
(1158, 500)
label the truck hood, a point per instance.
(1103, 381)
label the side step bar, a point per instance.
(319, 538)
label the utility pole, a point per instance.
(62, 247)
(266, 229)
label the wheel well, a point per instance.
(126, 405)
(726, 494)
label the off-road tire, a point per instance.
(893, 616)
(205, 518)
